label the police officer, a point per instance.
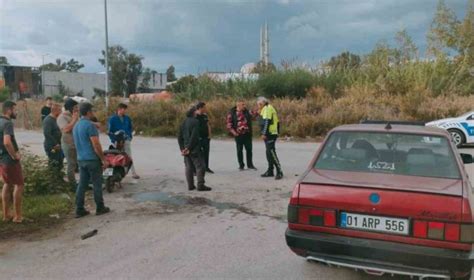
(269, 130)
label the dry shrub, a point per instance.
(29, 114)
(309, 117)
(422, 106)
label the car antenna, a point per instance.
(388, 126)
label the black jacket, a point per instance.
(247, 114)
(189, 135)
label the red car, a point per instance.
(387, 198)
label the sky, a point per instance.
(207, 35)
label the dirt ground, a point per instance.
(159, 230)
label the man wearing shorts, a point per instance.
(10, 167)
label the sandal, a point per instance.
(17, 221)
(7, 219)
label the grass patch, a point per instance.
(41, 211)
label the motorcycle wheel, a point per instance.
(109, 185)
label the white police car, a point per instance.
(461, 128)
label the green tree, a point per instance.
(145, 80)
(125, 68)
(56, 67)
(443, 33)
(344, 61)
(73, 65)
(261, 68)
(3, 60)
(170, 75)
(183, 84)
(407, 49)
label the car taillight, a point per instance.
(420, 229)
(329, 218)
(451, 232)
(444, 231)
(311, 216)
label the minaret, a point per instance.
(266, 48)
(262, 44)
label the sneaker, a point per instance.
(279, 176)
(267, 174)
(136, 177)
(191, 188)
(102, 211)
(241, 168)
(208, 170)
(252, 167)
(204, 189)
(83, 213)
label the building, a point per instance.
(72, 83)
(157, 83)
(87, 84)
(23, 81)
(224, 76)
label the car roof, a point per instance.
(395, 128)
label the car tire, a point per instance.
(458, 137)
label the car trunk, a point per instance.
(408, 197)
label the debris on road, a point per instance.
(89, 234)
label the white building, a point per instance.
(73, 82)
(85, 83)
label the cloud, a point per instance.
(206, 34)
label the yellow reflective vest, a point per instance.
(270, 121)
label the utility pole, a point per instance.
(106, 59)
(42, 74)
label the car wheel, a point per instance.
(457, 136)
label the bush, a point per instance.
(39, 179)
(291, 83)
(5, 94)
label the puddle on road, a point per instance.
(162, 197)
(180, 200)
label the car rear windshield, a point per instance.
(403, 154)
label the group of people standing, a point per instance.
(74, 134)
(194, 139)
(71, 132)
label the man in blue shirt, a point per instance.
(91, 161)
(120, 121)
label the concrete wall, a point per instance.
(86, 82)
(73, 82)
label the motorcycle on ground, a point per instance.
(118, 163)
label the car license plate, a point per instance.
(108, 172)
(374, 223)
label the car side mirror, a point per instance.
(467, 158)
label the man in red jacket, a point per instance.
(239, 124)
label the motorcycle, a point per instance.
(118, 163)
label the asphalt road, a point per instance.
(158, 230)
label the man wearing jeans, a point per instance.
(52, 140)
(120, 121)
(66, 122)
(91, 161)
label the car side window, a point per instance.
(470, 118)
